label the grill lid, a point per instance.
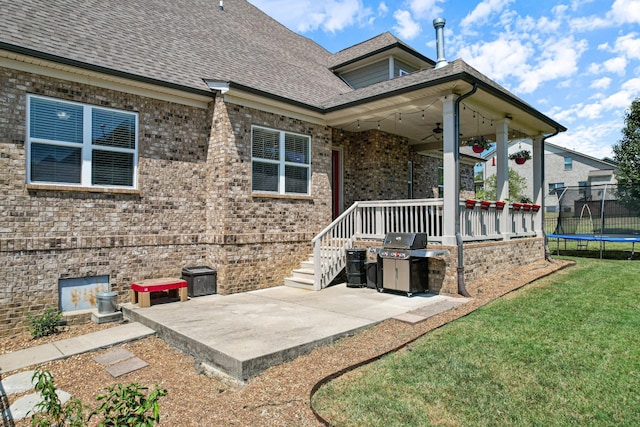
(405, 241)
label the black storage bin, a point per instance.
(372, 275)
(201, 280)
(356, 273)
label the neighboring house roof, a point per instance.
(607, 163)
(383, 42)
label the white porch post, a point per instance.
(538, 182)
(502, 174)
(451, 173)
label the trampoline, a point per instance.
(601, 238)
(599, 213)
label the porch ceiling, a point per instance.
(415, 114)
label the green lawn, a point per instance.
(562, 351)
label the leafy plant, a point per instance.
(479, 142)
(522, 154)
(129, 406)
(45, 324)
(627, 156)
(51, 411)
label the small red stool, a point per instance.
(141, 291)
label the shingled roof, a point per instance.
(382, 42)
(182, 43)
(179, 42)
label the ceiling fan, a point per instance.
(436, 131)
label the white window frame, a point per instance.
(282, 162)
(568, 163)
(86, 147)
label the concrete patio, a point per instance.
(243, 334)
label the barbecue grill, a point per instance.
(403, 263)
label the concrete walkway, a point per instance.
(71, 346)
(243, 334)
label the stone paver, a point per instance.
(113, 356)
(17, 383)
(118, 369)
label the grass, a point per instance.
(562, 351)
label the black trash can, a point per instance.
(372, 275)
(356, 273)
(201, 280)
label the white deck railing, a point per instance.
(373, 220)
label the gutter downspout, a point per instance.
(547, 252)
(462, 290)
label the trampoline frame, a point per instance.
(601, 238)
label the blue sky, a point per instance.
(578, 61)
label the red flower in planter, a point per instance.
(521, 156)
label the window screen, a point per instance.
(281, 161)
(76, 144)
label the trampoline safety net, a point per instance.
(597, 210)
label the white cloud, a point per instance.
(483, 11)
(498, 59)
(625, 11)
(383, 9)
(308, 15)
(615, 65)
(628, 45)
(621, 12)
(425, 9)
(406, 27)
(592, 139)
(602, 83)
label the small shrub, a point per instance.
(129, 406)
(51, 412)
(45, 324)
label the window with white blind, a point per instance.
(80, 145)
(280, 161)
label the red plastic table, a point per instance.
(141, 291)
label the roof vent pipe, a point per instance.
(221, 5)
(438, 24)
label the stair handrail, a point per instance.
(330, 260)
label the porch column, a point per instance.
(502, 174)
(538, 183)
(451, 173)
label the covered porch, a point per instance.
(437, 117)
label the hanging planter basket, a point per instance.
(517, 206)
(484, 205)
(520, 157)
(470, 204)
(500, 205)
(535, 208)
(527, 207)
(479, 145)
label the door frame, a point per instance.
(337, 182)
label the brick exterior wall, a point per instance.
(193, 205)
(376, 168)
(265, 237)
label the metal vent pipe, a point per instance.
(438, 24)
